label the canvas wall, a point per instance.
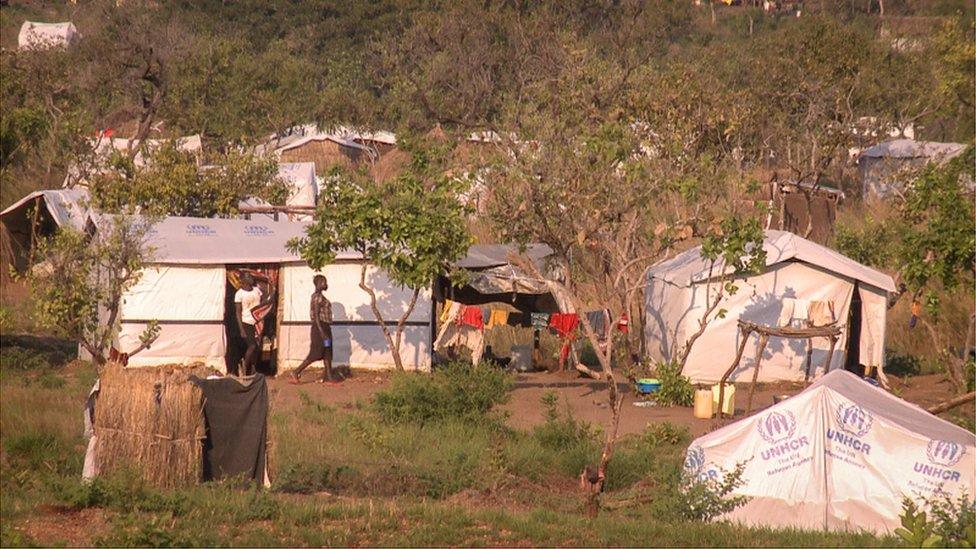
(674, 312)
(359, 341)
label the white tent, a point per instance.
(797, 273)
(883, 166)
(186, 290)
(302, 185)
(841, 455)
(42, 36)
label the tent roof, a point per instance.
(66, 206)
(213, 241)
(908, 148)
(882, 403)
(486, 256)
(690, 267)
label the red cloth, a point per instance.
(114, 355)
(624, 323)
(471, 316)
(565, 324)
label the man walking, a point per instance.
(320, 347)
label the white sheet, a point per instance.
(177, 293)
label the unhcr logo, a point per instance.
(257, 230)
(854, 419)
(855, 422)
(199, 229)
(944, 452)
(694, 460)
(777, 426)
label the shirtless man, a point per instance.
(320, 347)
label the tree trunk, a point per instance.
(403, 321)
(394, 349)
(702, 325)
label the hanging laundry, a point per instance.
(916, 314)
(598, 321)
(624, 323)
(471, 316)
(446, 311)
(498, 317)
(485, 315)
(565, 324)
(821, 312)
(540, 320)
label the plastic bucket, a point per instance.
(648, 386)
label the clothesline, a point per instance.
(564, 325)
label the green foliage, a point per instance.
(574, 441)
(948, 523)
(676, 389)
(78, 277)
(738, 243)
(938, 232)
(871, 245)
(703, 499)
(454, 391)
(173, 183)
(916, 530)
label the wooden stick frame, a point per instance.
(831, 332)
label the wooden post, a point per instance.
(806, 376)
(735, 364)
(763, 339)
(830, 353)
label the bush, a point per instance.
(574, 443)
(676, 389)
(455, 391)
(949, 523)
(703, 499)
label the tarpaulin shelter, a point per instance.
(38, 215)
(42, 36)
(841, 455)
(880, 166)
(797, 274)
(186, 289)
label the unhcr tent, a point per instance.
(186, 289)
(797, 274)
(841, 455)
(38, 215)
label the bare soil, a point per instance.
(586, 399)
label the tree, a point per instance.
(170, 182)
(79, 281)
(930, 242)
(412, 229)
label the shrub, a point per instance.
(574, 442)
(703, 499)
(454, 391)
(950, 523)
(676, 389)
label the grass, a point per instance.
(347, 477)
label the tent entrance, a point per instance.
(853, 361)
(268, 278)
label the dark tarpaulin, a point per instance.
(237, 428)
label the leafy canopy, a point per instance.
(412, 227)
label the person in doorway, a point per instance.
(247, 298)
(320, 347)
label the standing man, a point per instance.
(320, 347)
(248, 297)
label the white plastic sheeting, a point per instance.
(357, 337)
(349, 301)
(42, 36)
(177, 293)
(841, 455)
(68, 207)
(178, 343)
(678, 293)
(357, 346)
(302, 186)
